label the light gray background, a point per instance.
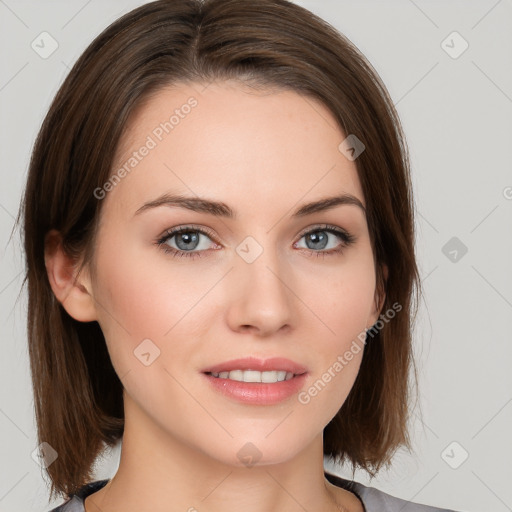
(457, 115)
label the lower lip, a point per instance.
(257, 393)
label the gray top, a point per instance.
(373, 500)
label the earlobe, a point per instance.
(70, 288)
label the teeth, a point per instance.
(254, 376)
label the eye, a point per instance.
(192, 241)
(185, 241)
(332, 238)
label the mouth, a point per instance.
(253, 381)
(257, 371)
(266, 377)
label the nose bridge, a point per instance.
(262, 298)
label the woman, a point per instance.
(220, 259)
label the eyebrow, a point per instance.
(220, 209)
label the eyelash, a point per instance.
(346, 238)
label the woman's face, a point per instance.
(262, 282)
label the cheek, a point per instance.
(344, 299)
(145, 295)
(143, 298)
(343, 304)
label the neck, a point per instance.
(158, 472)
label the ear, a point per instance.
(71, 289)
(380, 296)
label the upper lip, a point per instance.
(262, 365)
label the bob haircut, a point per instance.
(264, 44)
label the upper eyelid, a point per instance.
(187, 227)
(320, 227)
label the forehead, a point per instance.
(247, 147)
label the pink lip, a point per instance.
(257, 393)
(262, 365)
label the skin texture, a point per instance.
(264, 154)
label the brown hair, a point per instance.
(77, 394)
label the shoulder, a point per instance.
(75, 502)
(379, 501)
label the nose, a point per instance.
(261, 297)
